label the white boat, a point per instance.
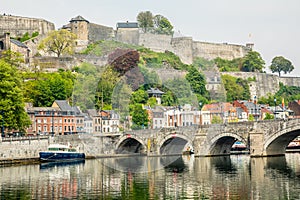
(59, 152)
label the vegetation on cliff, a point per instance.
(156, 24)
(13, 115)
(58, 42)
(236, 88)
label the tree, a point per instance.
(280, 64)
(123, 60)
(236, 88)
(145, 20)
(58, 42)
(162, 25)
(50, 87)
(139, 116)
(11, 98)
(253, 62)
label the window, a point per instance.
(45, 128)
(45, 120)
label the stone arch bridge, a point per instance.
(262, 138)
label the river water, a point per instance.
(186, 177)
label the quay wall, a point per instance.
(22, 149)
(92, 146)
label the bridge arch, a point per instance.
(173, 144)
(222, 144)
(130, 144)
(277, 143)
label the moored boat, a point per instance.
(59, 152)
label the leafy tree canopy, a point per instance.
(203, 64)
(280, 64)
(145, 20)
(58, 42)
(162, 25)
(11, 98)
(253, 62)
(236, 88)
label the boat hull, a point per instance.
(61, 156)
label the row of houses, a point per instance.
(61, 118)
(221, 112)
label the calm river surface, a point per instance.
(234, 177)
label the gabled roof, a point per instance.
(127, 25)
(18, 43)
(63, 105)
(78, 18)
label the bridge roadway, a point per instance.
(262, 138)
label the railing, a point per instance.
(10, 139)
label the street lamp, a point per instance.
(2, 113)
(255, 114)
(275, 108)
(200, 117)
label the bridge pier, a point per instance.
(256, 144)
(199, 145)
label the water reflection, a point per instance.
(186, 177)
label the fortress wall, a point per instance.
(213, 50)
(265, 83)
(290, 81)
(129, 36)
(98, 32)
(51, 64)
(18, 26)
(182, 47)
(155, 42)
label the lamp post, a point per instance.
(275, 108)
(2, 113)
(200, 117)
(255, 114)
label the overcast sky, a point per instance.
(273, 25)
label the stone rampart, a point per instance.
(128, 36)
(18, 26)
(52, 64)
(264, 83)
(98, 32)
(155, 42)
(223, 50)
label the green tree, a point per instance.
(236, 88)
(216, 120)
(58, 42)
(203, 64)
(197, 82)
(11, 98)
(139, 116)
(139, 96)
(280, 64)
(253, 62)
(50, 87)
(162, 25)
(169, 99)
(108, 80)
(145, 20)
(251, 118)
(269, 116)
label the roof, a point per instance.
(18, 43)
(154, 91)
(63, 105)
(127, 25)
(78, 18)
